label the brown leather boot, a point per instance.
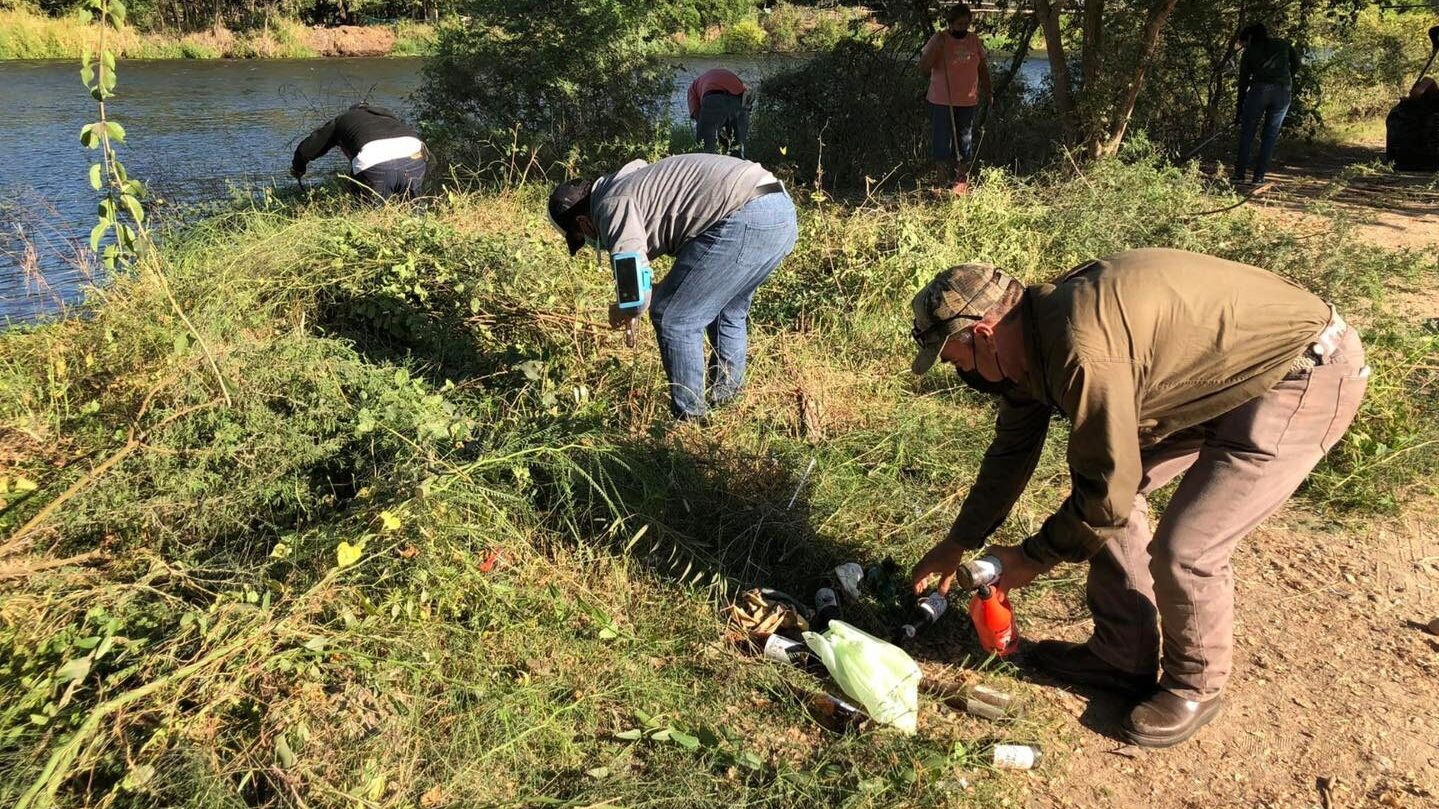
(1075, 663)
(1167, 719)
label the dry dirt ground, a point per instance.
(1334, 701)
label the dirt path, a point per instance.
(1398, 211)
(1334, 700)
(1335, 694)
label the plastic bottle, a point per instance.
(994, 621)
(1016, 757)
(927, 611)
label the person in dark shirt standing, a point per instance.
(1266, 74)
(386, 155)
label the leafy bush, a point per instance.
(855, 112)
(567, 82)
(745, 36)
(1371, 63)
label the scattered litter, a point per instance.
(826, 608)
(927, 611)
(977, 700)
(880, 675)
(755, 617)
(1016, 757)
(849, 576)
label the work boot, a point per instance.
(1167, 719)
(1075, 663)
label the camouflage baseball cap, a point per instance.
(956, 298)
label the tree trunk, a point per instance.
(1093, 42)
(1058, 68)
(1021, 50)
(1119, 121)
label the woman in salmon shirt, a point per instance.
(958, 74)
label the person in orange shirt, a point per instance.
(958, 74)
(716, 102)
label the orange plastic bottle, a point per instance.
(994, 621)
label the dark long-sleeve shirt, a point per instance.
(1131, 348)
(1267, 61)
(350, 131)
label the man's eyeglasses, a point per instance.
(921, 336)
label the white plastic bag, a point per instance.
(878, 674)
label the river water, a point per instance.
(197, 132)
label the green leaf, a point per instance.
(347, 554)
(132, 205)
(88, 138)
(388, 521)
(95, 177)
(75, 669)
(283, 754)
(107, 58)
(117, 132)
(24, 484)
(87, 76)
(105, 209)
(630, 735)
(96, 234)
(137, 778)
(684, 740)
(608, 633)
(117, 13)
(748, 758)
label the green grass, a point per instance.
(542, 553)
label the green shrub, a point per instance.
(524, 76)
(745, 36)
(1371, 63)
(852, 113)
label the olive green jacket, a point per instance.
(1131, 349)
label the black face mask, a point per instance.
(980, 384)
(958, 34)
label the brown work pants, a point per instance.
(1238, 469)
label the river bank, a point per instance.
(27, 35)
(397, 520)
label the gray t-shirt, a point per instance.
(655, 208)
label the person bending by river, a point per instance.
(1165, 363)
(728, 223)
(1266, 73)
(386, 155)
(954, 60)
(717, 106)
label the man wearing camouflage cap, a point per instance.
(1165, 363)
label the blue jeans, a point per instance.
(400, 178)
(945, 123)
(709, 290)
(1267, 101)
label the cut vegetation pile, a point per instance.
(402, 526)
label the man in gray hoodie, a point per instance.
(727, 222)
